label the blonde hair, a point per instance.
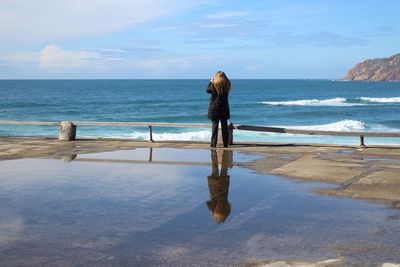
(221, 211)
(221, 82)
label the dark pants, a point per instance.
(214, 135)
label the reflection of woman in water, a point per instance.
(218, 184)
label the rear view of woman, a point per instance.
(218, 108)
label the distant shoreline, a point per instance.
(200, 79)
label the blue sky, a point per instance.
(303, 39)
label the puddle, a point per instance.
(167, 154)
(382, 159)
(92, 213)
(346, 151)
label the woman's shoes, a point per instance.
(214, 146)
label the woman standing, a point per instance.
(218, 108)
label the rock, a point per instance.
(67, 131)
(379, 69)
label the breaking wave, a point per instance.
(343, 125)
(339, 101)
(205, 135)
(185, 136)
(380, 99)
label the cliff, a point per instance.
(379, 69)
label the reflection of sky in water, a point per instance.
(346, 151)
(167, 154)
(99, 214)
(386, 159)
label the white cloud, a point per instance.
(228, 14)
(220, 25)
(159, 66)
(254, 66)
(54, 61)
(53, 56)
(11, 227)
(316, 39)
(49, 20)
(20, 57)
(112, 50)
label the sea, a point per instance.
(301, 104)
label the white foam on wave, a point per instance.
(185, 136)
(343, 125)
(380, 99)
(205, 135)
(339, 101)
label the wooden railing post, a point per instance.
(362, 144)
(151, 134)
(230, 131)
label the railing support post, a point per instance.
(362, 144)
(151, 134)
(230, 129)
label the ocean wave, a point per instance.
(339, 101)
(185, 136)
(380, 99)
(343, 126)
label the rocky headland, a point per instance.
(378, 69)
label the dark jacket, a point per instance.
(218, 108)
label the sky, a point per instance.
(177, 39)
